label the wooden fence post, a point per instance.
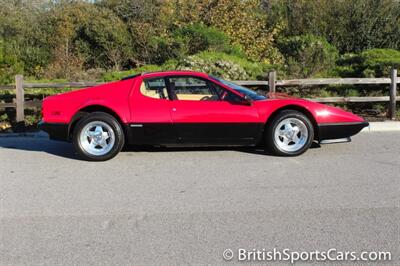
(272, 81)
(19, 93)
(392, 94)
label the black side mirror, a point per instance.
(246, 100)
(236, 99)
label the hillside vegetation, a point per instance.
(238, 39)
(104, 40)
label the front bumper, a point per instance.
(56, 131)
(340, 130)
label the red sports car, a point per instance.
(189, 108)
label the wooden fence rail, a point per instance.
(19, 102)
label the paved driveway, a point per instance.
(152, 206)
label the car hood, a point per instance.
(322, 113)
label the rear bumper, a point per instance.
(56, 131)
(340, 130)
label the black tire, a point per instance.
(112, 123)
(271, 127)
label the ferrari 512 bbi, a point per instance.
(189, 108)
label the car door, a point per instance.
(200, 116)
(150, 106)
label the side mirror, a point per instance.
(239, 100)
(246, 100)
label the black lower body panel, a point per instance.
(194, 133)
(150, 133)
(219, 133)
(178, 133)
(56, 131)
(340, 130)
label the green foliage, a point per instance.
(3, 117)
(352, 26)
(199, 37)
(378, 62)
(23, 42)
(225, 65)
(162, 49)
(243, 21)
(370, 63)
(117, 75)
(216, 63)
(307, 55)
(103, 39)
(9, 65)
(90, 37)
(358, 25)
(82, 40)
(222, 68)
(107, 40)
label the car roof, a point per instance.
(167, 73)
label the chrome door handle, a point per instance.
(174, 109)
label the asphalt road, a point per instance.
(186, 206)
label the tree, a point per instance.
(307, 55)
(88, 36)
(148, 27)
(24, 36)
(352, 26)
(242, 20)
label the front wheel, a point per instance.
(98, 137)
(290, 133)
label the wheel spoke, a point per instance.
(285, 140)
(89, 133)
(296, 130)
(103, 143)
(295, 139)
(288, 126)
(105, 135)
(93, 144)
(99, 130)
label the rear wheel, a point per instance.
(98, 137)
(289, 133)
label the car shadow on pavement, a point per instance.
(66, 150)
(140, 148)
(57, 148)
(259, 150)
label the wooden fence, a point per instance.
(20, 104)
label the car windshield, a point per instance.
(255, 96)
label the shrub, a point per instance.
(351, 26)
(378, 62)
(198, 37)
(222, 68)
(369, 63)
(99, 36)
(8, 70)
(307, 55)
(243, 21)
(9, 64)
(117, 75)
(222, 64)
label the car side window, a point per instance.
(154, 88)
(226, 95)
(192, 88)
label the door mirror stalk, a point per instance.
(246, 100)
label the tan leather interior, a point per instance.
(192, 97)
(152, 93)
(155, 93)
